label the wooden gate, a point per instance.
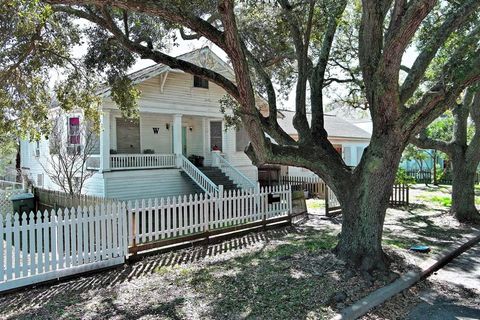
(399, 197)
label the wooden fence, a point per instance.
(57, 243)
(49, 245)
(314, 185)
(400, 197)
(50, 199)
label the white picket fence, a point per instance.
(158, 219)
(54, 244)
(45, 246)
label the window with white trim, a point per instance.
(74, 130)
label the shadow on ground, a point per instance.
(282, 273)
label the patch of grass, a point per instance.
(315, 204)
(445, 201)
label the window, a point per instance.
(37, 149)
(241, 140)
(40, 180)
(359, 154)
(200, 82)
(74, 130)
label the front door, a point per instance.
(216, 141)
(128, 136)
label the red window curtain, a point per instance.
(74, 130)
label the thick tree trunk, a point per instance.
(364, 206)
(463, 189)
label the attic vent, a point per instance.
(200, 82)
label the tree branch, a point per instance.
(165, 9)
(300, 121)
(424, 142)
(443, 94)
(454, 21)
(318, 80)
(148, 53)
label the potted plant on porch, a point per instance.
(196, 160)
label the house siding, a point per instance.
(144, 184)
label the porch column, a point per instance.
(177, 137)
(105, 141)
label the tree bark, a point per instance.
(463, 189)
(365, 202)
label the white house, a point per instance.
(179, 117)
(347, 138)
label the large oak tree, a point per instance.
(292, 44)
(463, 152)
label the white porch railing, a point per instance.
(233, 173)
(198, 176)
(141, 161)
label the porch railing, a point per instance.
(198, 176)
(233, 173)
(141, 161)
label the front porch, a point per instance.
(155, 141)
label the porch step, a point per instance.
(219, 178)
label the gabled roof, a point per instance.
(336, 127)
(203, 57)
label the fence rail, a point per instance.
(314, 185)
(56, 243)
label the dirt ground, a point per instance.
(284, 273)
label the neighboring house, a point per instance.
(347, 138)
(179, 117)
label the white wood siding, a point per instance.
(142, 184)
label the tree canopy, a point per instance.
(306, 46)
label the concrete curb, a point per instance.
(407, 280)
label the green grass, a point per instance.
(315, 204)
(445, 201)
